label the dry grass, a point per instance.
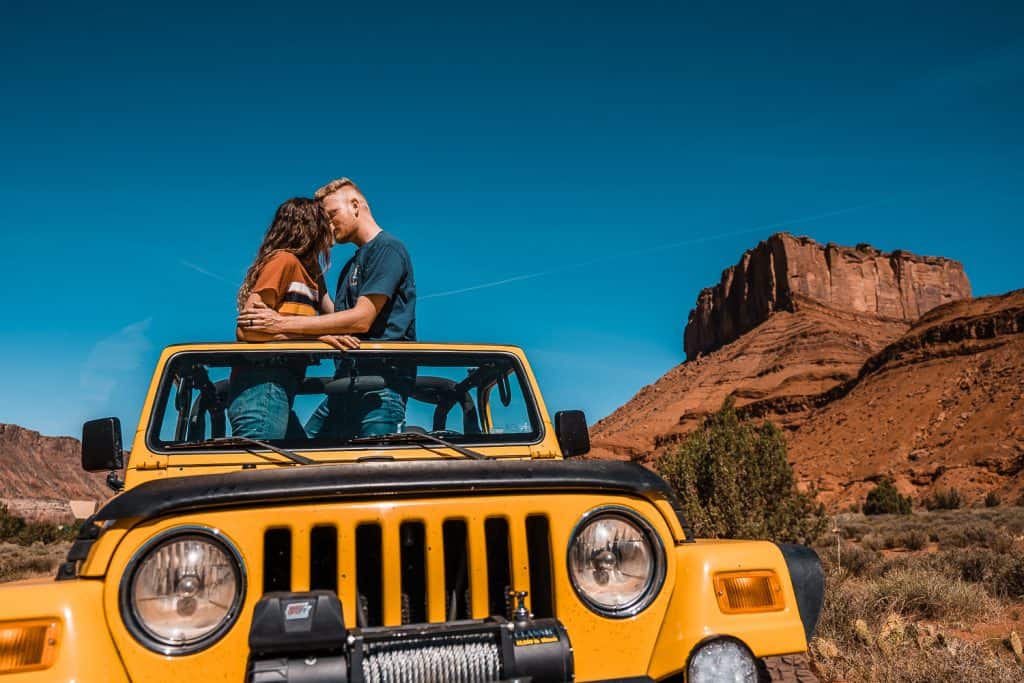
(21, 562)
(925, 597)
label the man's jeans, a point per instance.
(346, 417)
(260, 404)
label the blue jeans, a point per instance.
(260, 404)
(345, 417)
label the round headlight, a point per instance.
(616, 562)
(722, 660)
(182, 591)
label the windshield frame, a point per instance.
(161, 399)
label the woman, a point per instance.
(287, 276)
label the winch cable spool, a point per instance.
(301, 638)
(463, 658)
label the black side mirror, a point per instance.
(571, 430)
(101, 445)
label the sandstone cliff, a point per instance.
(942, 406)
(783, 270)
(39, 474)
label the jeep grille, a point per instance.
(409, 571)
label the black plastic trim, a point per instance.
(80, 548)
(808, 583)
(316, 483)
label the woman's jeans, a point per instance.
(260, 403)
(368, 414)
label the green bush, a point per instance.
(735, 481)
(992, 500)
(14, 529)
(884, 499)
(944, 499)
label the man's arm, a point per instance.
(259, 318)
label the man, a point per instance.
(375, 300)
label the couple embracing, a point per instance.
(284, 296)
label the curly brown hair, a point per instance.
(300, 227)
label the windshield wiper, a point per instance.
(241, 441)
(418, 438)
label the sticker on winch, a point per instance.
(298, 610)
(535, 636)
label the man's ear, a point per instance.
(355, 206)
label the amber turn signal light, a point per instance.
(745, 592)
(28, 645)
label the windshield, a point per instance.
(325, 399)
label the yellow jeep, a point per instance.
(468, 543)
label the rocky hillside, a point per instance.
(790, 321)
(942, 406)
(39, 474)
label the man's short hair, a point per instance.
(334, 186)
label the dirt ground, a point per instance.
(923, 597)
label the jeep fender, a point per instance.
(85, 651)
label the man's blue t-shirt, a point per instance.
(381, 266)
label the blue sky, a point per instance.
(603, 162)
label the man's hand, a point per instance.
(258, 317)
(342, 342)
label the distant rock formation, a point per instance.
(39, 474)
(780, 271)
(940, 407)
(784, 332)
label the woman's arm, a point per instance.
(326, 305)
(342, 342)
(267, 298)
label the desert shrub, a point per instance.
(735, 481)
(14, 529)
(1009, 581)
(853, 530)
(10, 525)
(890, 644)
(1001, 574)
(981, 534)
(944, 499)
(859, 561)
(872, 541)
(846, 600)
(19, 561)
(903, 661)
(884, 499)
(929, 594)
(992, 500)
(915, 539)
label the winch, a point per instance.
(301, 638)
